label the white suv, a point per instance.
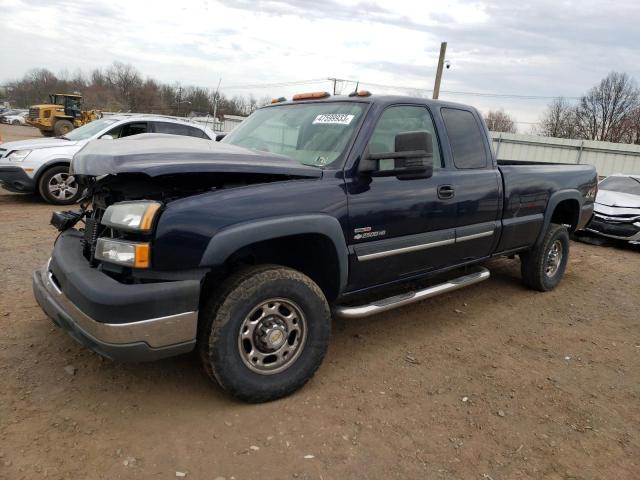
(41, 165)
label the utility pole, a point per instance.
(334, 80)
(215, 104)
(179, 99)
(436, 87)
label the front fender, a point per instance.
(43, 160)
(232, 238)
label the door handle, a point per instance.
(446, 191)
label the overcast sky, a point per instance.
(543, 48)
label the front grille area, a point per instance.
(92, 230)
(34, 113)
(617, 229)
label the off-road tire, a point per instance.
(62, 127)
(228, 307)
(43, 186)
(533, 263)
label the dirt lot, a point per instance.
(490, 382)
(9, 133)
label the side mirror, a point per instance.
(106, 136)
(220, 136)
(412, 158)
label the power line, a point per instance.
(274, 85)
(477, 94)
(400, 87)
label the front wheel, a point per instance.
(62, 127)
(543, 267)
(58, 187)
(264, 333)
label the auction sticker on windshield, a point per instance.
(334, 119)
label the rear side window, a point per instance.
(179, 129)
(465, 137)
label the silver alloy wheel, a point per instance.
(62, 186)
(272, 336)
(554, 258)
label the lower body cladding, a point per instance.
(121, 322)
(616, 229)
(15, 179)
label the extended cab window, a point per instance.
(465, 138)
(401, 119)
(178, 129)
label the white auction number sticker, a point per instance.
(334, 119)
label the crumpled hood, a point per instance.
(157, 154)
(617, 199)
(37, 143)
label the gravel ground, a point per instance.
(489, 382)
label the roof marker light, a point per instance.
(361, 93)
(311, 95)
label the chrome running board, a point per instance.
(411, 297)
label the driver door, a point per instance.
(400, 227)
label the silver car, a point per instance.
(617, 208)
(41, 165)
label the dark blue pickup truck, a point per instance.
(244, 249)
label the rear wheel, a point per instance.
(543, 267)
(57, 187)
(62, 127)
(264, 333)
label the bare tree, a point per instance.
(500, 121)
(559, 120)
(632, 127)
(121, 87)
(602, 113)
(125, 79)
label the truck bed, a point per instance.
(528, 189)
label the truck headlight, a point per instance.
(18, 155)
(135, 216)
(130, 254)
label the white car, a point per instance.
(41, 165)
(616, 213)
(17, 119)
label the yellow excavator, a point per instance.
(62, 114)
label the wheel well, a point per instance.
(312, 254)
(44, 168)
(567, 212)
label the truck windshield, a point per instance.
(315, 134)
(89, 130)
